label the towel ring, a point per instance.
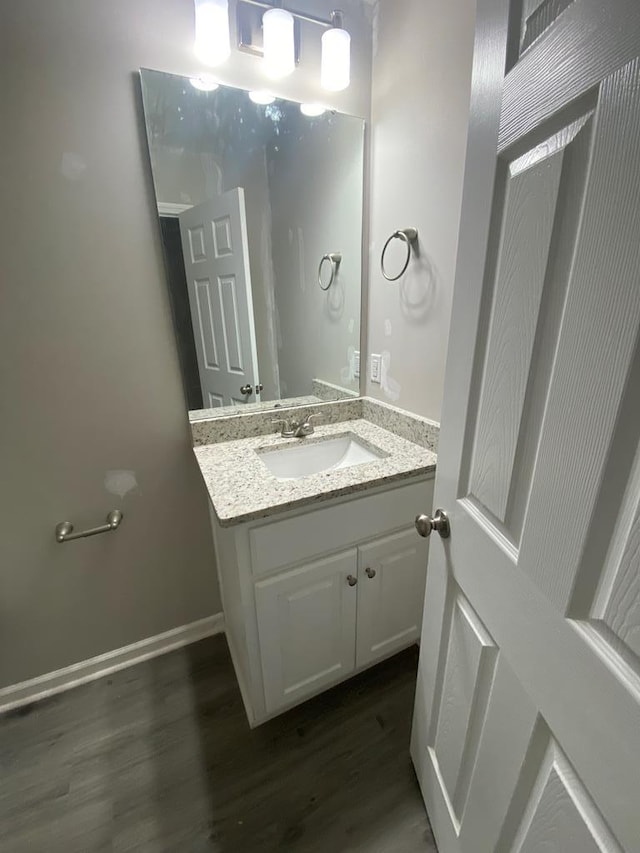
(334, 259)
(408, 236)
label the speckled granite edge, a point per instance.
(327, 391)
(405, 424)
(241, 487)
(249, 424)
(250, 408)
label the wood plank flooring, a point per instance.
(159, 757)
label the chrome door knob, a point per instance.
(440, 522)
(246, 390)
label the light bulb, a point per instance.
(213, 43)
(312, 110)
(279, 46)
(262, 97)
(204, 83)
(336, 59)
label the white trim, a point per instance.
(170, 208)
(59, 680)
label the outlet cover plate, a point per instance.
(376, 368)
(356, 365)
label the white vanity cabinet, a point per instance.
(313, 596)
(392, 572)
(307, 628)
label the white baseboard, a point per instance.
(51, 683)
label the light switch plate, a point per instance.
(375, 368)
(356, 364)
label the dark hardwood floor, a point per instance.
(159, 757)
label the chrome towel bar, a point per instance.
(64, 530)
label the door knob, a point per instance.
(247, 389)
(351, 580)
(259, 388)
(440, 522)
(370, 573)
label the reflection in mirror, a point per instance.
(251, 198)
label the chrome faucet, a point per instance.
(296, 429)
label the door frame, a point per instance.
(170, 208)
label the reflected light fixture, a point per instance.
(212, 43)
(312, 110)
(262, 97)
(204, 83)
(278, 43)
(335, 69)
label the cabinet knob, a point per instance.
(351, 580)
(440, 522)
(370, 573)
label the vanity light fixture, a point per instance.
(312, 110)
(212, 43)
(278, 43)
(204, 83)
(335, 69)
(267, 29)
(262, 97)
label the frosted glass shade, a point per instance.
(262, 97)
(279, 46)
(335, 70)
(312, 110)
(213, 43)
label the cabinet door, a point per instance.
(307, 628)
(391, 572)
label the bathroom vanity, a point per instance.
(322, 574)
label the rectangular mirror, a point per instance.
(260, 208)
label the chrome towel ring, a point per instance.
(334, 259)
(408, 236)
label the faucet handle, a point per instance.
(285, 424)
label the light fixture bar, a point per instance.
(301, 16)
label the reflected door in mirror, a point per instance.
(215, 248)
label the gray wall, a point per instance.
(419, 113)
(88, 367)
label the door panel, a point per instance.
(527, 722)
(307, 627)
(390, 603)
(538, 199)
(215, 247)
(551, 809)
(461, 701)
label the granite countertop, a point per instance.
(242, 488)
(245, 408)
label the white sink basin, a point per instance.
(306, 458)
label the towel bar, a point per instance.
(64, 530)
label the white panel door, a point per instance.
(216, 259)
(526, 731)
(391, 577)
(307, 628)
